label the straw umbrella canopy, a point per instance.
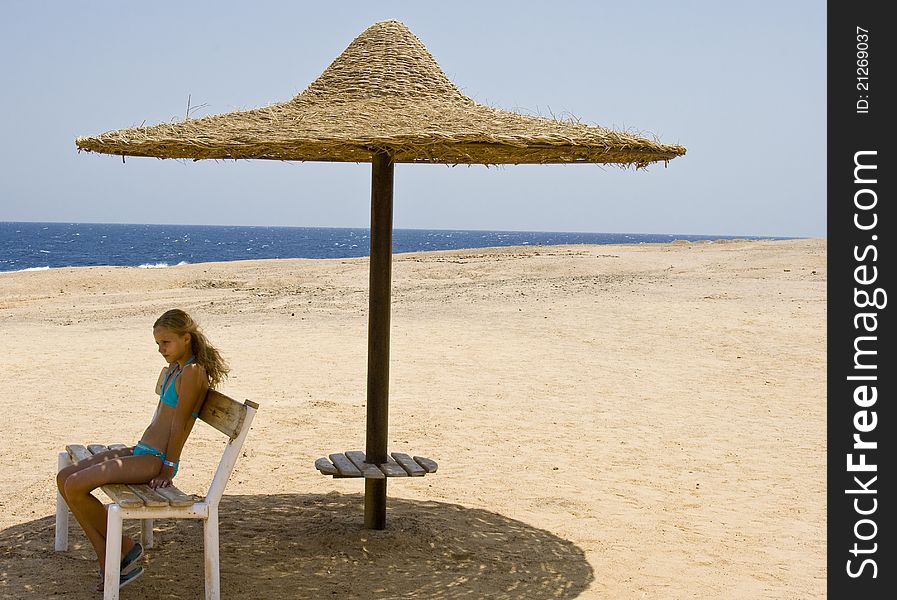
(384, 93)
(384, 100)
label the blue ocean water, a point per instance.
(35, 246)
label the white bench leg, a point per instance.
(113, 552)
(62, 510)
(212, 567)
(146, 533)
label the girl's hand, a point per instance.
(163, 479)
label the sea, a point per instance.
(40, 246)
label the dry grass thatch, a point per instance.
(385, 92)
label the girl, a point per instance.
(194, 366)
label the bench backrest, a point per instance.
(225, 414)
(231, 418)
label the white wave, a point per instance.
(29, 269)
(160, 265)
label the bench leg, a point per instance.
(212, 567)
(146, 533)
(62, 509)
(113, 552)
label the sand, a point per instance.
(628, 421)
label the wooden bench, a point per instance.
(352, 464)
(141, 502)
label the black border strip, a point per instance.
(861, 266)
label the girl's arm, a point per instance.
(193, 385)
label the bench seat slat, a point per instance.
(176, 497)
(429, 465)
(344, 466)
(392, 469)
(408, 464)
(326, 467)
(148, 495)
(123, 495)
(78, 452)
(368, 470)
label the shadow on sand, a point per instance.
(314, 546)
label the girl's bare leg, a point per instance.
(90, 512)
(99, 458)
(96, 459)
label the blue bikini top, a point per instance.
(169, 394)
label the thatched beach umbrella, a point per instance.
(384, 100)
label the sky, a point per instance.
(741, 85)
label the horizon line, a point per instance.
(457, 229)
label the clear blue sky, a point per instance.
(741, 85)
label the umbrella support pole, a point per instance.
(382, 169)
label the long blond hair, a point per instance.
(206, 354)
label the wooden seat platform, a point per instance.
(132, 496)
(352, 464)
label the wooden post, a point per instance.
(378, 336)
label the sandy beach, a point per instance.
(628, 421)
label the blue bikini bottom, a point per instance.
(141, 449)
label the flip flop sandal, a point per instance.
(130, 576)
(124, 579)
(131, 558)
(128, 562)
